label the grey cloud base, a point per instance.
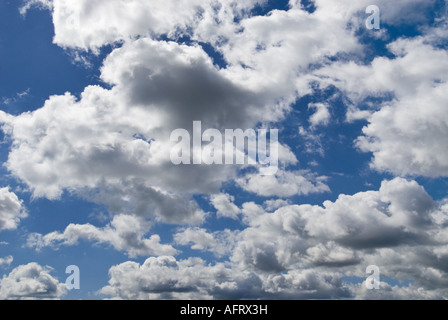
(306, 252)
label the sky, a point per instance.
(92, 90)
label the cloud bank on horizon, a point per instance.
(309, 68)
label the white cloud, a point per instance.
(124, 233)
(42, 4)
(275, 52)
(200, 239)
(273, 205)
(407, 135)
(51, 156)
(12, 210)
(284, 184)
(6, 261)
(225, 206)
(17, 97)
(31, 281)
(91, 24)
(163, 278)
(322, 115)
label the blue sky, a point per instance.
(87, 108)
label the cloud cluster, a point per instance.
(89, 25)
(31, 281)
(111, 146)
(167, 278)
(304, 251)
(407, 132)
(335, 234)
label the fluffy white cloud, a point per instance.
(31, 281)
(284, 184)
(408, 134)
(124, 233)
(11, 210)
(67, 144)
(92, 24)
(163, 277)
(224, 204)
(275, 52)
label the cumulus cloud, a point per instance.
(12, 210)
(31, 281)
(407, 135)
(124, 233)
(93, 24)
(89, 25)
(383, 228)
(162, 277)
(105, 124)
(375, 219)
(224, 204)
(167, 278)
(276, 52)
(304, 251)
